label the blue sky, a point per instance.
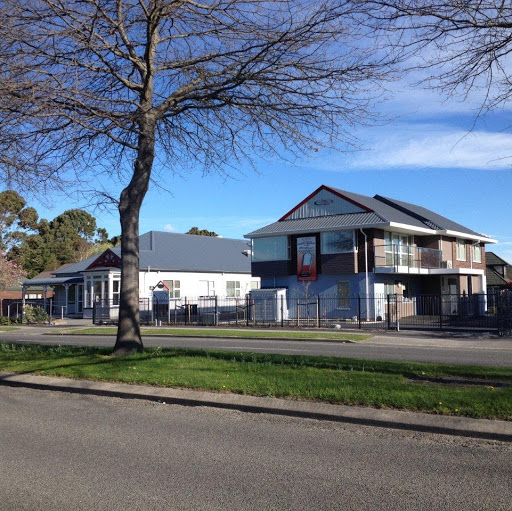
(435, 153)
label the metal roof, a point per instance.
(192, 253)
(384, 212)
(322, 223)
(52, 281)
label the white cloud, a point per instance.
(425, 146)
(170, 228)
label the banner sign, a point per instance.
(306, 258)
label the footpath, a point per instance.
(428, 423)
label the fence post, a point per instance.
(186, 311)
(94, 312)
(388, 313)
(318, 311)
(282, 311)
(215, 320)
(298, 313)
(359, 311)
(440, 312)
(253, 305)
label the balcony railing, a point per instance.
(400, 258)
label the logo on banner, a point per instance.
(306, 258)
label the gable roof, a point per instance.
(166, 251)
(491, 259)
(494, 278)
(348, 210)
(192, 253)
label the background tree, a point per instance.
(16, 219)
(201, 232)
(109, 85)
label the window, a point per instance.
(116, 288)
(344, 295)
(476, 253)
(255, 284)
(337, 242)
(461, 250)
(389, 288)
(399, 251)
(275, 248)
(174, 288)
(233, 288)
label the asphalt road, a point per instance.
(64, 451)
(456, 349)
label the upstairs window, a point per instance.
(274, 248)
(476, 253)
(461, 250)
(337, 242)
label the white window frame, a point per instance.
(458, 244)
(404, 242)
(476, 253)
(175, 289)
(236, 288)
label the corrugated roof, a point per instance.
(316, 224)
(187, 252)
(168, 251)
(383, 211)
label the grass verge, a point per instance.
(7, 328)
(328, 379)
(238, 333)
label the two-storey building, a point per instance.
(344, 244)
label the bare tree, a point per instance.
(464, 44)
(101, 86)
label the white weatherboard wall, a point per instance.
(197, 284)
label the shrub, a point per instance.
(35, 314)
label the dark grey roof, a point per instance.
(494, 278)
(383, 211)
(188, 252)
(491, 259)
(182, 252)
(71, 269)
(317, 224)
(428, 217)
(51, 281)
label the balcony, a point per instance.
(392, 258)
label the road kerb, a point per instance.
(395, 419)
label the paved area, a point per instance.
(63, 451)
(435, 347)
(460, 426)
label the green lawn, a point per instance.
(214, 332)
(328, 379)
(7, 328)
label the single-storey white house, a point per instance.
(179, 265)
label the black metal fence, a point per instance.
(379, 312)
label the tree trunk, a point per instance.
(128, 339)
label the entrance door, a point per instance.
(454, 297)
